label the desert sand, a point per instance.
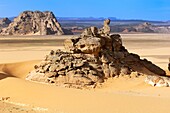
(18, 55)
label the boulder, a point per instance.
(158, 81)
(90, 45)
(91, 31)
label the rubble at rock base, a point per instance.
(158, 81)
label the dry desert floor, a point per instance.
(19, 54)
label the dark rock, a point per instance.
(153, 68)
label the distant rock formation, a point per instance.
(4, 23)
(149, 28)
(89, 59)
(161, 29)
(145, 28)
(38, 23)
(141, 28)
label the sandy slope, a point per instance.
(118, 95)
(121, 95)
(18, 70)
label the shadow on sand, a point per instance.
(4, 75)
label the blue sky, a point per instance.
(122, 9)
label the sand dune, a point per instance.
(118, 95)
(121, 95)
(18, 70)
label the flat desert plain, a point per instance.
(18, 55)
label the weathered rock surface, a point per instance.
(38, 23)
(91, 58)
(158, 81)
(106, 28)
(65, 68)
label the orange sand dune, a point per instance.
(19, 70)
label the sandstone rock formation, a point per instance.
(39, 23)
(106, 28)
(89, 59)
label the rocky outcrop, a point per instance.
(106, 28)
(38, 23)
(89, 59)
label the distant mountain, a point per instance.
(141, 28)
(10, 18)
(77, 24)
(85, 18)
(113, 19)
(4, 22)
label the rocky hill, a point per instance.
(35, 23)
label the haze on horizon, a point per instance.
(122, 9)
